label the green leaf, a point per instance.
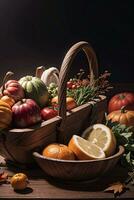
(124, 136)
(129, 147)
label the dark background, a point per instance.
(34, 33)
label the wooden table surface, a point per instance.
(43, 187)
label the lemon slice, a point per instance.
(85, 150)
(102, 136)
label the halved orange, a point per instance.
(85, 150)
(102, 136)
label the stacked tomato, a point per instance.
(121, 108)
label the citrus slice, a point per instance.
(85, 150)
(102, 136)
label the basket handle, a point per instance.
(65, 68)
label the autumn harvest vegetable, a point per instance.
(5, 115)
(122, 116)
(7, 99)
(43, 90)
(50, 75)
(28, 105)
(14, 89)
(35, 89)
(121, 99)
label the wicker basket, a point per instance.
(17, 145)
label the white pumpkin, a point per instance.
(50, 75)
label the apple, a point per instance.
(25, 113)
(13, 89)
(48, 113)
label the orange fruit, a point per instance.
(85, 150)
(102, 136)
(19, 181)
(58, 151)
(70, 102)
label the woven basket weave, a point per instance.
(17, 145)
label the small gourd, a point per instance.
(5, 115)
(122, 116)
(9, 100)
(35, 89)
(50, 75)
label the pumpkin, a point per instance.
(5, 115)
(8, 100)
(122, 116)
(14, 89)
(122, 99)
(50, 75)
(35, 89)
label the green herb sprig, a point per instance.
(124, 136)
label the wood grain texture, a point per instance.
(43, 187)
(66, 67)
(18, 144)
(77, 169)
(74, 123)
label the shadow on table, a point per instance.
(117, 174)
(27, 190)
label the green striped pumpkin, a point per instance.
(35, 89)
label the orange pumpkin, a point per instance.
(8, 100)
(122, 116)
(5, 115)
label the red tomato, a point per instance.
(69, 84)
(48, 113)
(122, 99)
(74, 86)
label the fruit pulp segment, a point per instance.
(98, 137)
(89, 148)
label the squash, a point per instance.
(13, 89)
(122, 116)
(8, 100)
(35, 89)
(5, 115)
(50, 75)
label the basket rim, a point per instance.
(116, 155)
(55, 119)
